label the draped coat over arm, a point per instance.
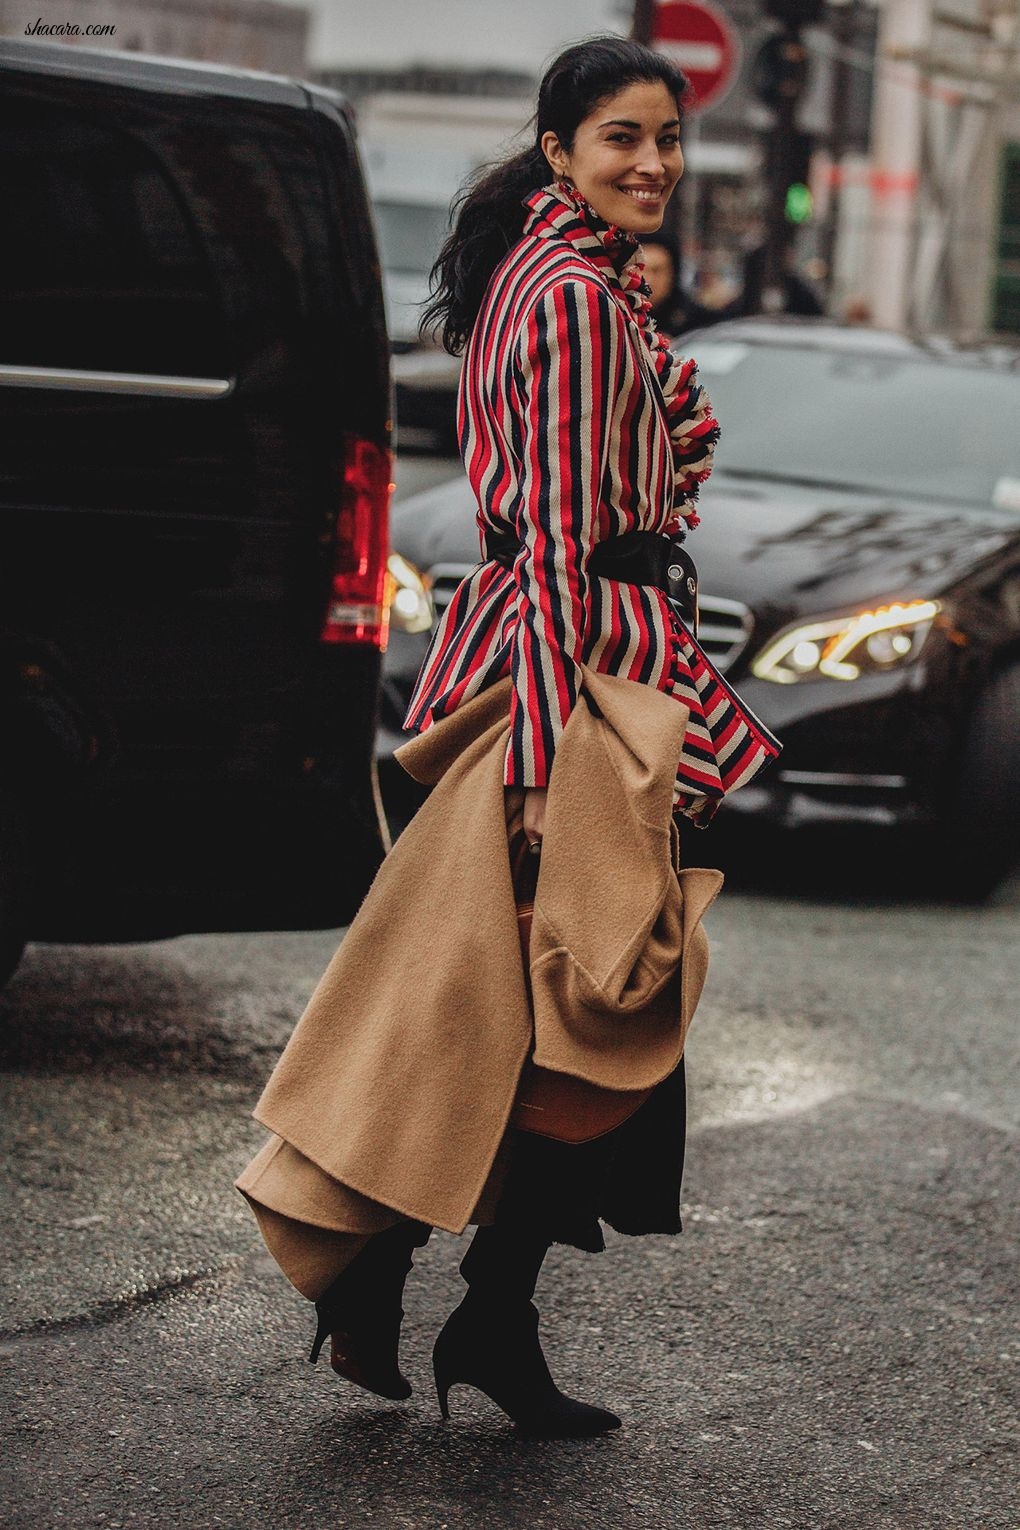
(398, 1082)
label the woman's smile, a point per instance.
(644, 193)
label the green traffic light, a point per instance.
(799, 203)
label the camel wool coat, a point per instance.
(398, 1082)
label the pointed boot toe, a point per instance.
(568, 1419)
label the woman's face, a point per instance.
(626, 156)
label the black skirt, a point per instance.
(630, 1178)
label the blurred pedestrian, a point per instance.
(674, 310)
(792, 295)
(400, 1102)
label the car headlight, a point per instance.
(845, 647)
(411, 608)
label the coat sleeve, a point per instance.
(569, 362)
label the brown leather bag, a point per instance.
(557, 1104)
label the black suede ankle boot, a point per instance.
(491, 1341)
(361, 1312)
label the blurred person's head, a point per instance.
(608, 123)
(662, 266)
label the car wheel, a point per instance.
(984, 830)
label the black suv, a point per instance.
(194, 488)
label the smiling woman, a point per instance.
(572, 644)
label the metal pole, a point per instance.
(779, 155)
(897, 131)
(843, 33)
(643, 23)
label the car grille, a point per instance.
(724, 632)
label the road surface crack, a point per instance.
(113, 1308)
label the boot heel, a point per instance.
(321, 1335)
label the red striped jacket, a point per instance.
(576, 425)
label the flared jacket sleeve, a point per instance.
(568, 368)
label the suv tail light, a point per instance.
(358, 611)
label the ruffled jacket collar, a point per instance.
(560, 212)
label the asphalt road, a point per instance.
(831, 1344)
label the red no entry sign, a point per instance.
(702, 41)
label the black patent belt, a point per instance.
(636, 557)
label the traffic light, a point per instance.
(800, 204)
(779, 71)
(787, 166)
(779, 76)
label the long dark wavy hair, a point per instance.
(488, 215)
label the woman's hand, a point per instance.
(534, 814)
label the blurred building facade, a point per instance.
(909, 121)
(944, 246)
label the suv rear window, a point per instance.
(101, 268)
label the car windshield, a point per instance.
(410, 235)
(878, 423)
